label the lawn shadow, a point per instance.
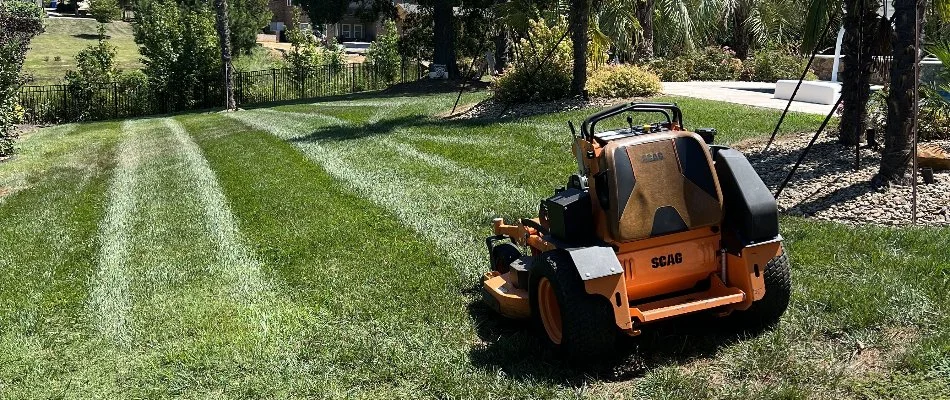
(514, 347)
(410, 89)
(90, 36)
(359, 131)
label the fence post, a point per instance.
(273, 72)
(115, 99)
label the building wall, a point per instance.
(284, 13)
(351, 28)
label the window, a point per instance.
(290, 3)
(358, 31)
(347, 33)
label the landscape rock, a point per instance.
(827, 186)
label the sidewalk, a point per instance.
(757, 94)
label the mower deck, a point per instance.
(501, 293)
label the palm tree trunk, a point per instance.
(898, 138)
(224, 38)
(444, 46)
(644, 48)
(578, 23)
(856, 46)
(740, 32)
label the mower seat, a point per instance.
(660, 184)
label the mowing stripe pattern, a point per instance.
(236, 261)
(426, 192)
(110, 298)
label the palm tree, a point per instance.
(644, 47)
(750, 23)
(864, 32)
(578, 23)
(909, 18)
(224, 39)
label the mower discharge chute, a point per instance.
(657, 223)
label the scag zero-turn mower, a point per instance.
(657, 223)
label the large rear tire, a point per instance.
(578, 325)
(778, 291)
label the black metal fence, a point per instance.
(61, 103)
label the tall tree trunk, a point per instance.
(741, 39)
(224, 38)
(898, 138)
(501, 45)
(444, 46)
(579, 20)
(644, 48)
(858, 41)
(501, 50)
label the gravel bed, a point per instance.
(826, 186)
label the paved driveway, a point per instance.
(757, 94)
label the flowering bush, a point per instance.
(716, 64)
(623, 81)
(678, 69)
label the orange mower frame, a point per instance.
(657, 223)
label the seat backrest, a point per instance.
(660, 184)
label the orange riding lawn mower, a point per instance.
(657, 223)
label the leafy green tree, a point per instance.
(105, 10)
(304, 51)
(180, 50)
(20, 22)
(384, 52)
(95, 67)
(246, 19)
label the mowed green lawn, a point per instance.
(65, 38)
(333, 250)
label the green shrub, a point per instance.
(530, 79)
(623, 81)
(20, 21)
(133, 87)
(384, 52)
(179, 47)
(678, 69)
(772, 65)
(95, 67)
(716, 64)
(934, 118)
(105, 10)
(259, 58)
